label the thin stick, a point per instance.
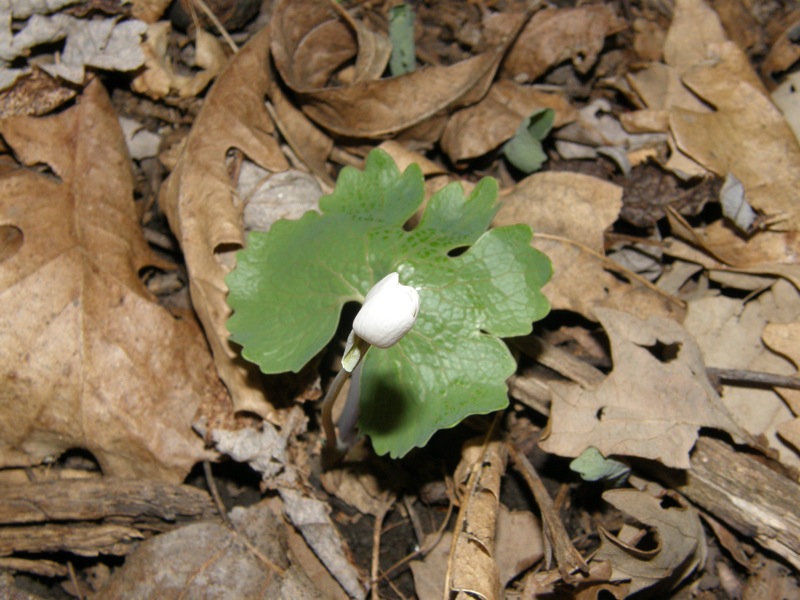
(567, 557)
(218, 25)
(212, 487)
(74, 580)
(613, 266)
(759, 377)
(327, 408)
(376, 543)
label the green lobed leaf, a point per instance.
(290, 284)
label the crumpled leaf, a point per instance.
(680, 541)
(290, 284)
(306, 57)
(734, 203)
(106, 44)
(160, 76)
(207, 218)
(784, 338)
(651, 405)
(82, 370)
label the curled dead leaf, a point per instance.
(204, 213)
(310, 44)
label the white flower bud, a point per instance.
(389, 312)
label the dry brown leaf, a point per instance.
(205, 215)
(681, 542)
(208, 560)
(160, 77)
(554, 35)
(90, 360)
(308, 48)
(651, 405)
(478, 129)
(472, 568)
(578, 209)
(784, 51)
(519, 543)
(729, 335)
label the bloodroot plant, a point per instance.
(436, 299)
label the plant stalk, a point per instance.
(327, 408)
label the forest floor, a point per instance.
(650, 445)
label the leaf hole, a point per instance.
(11, 241)
(649, 542)
(600, 413)
(457, 251)
(79, 459)
(665, 353)
(669, 502)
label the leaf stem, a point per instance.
(327, 408)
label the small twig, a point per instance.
(212, 488)
(426, 548)
(568, 558)
(74, 579)
(327, 409)
(386, 505)
(758, 377)
(413, 517)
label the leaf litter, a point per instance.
(683, 366)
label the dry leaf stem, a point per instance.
(386, 505)
(567, 557)
(327, 408)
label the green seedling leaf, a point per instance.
(475, 286)
(524, 150)
(593, 466)
(401, 35)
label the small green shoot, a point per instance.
(401, 34)
(524, 150)
(475, 287)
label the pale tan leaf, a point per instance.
(204, 213)
(651, 405)
(729, 335)
(90, 359)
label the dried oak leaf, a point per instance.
(204, 212)
(311, 40)
(89, 359)
(651, 405)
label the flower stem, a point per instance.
(327, 408)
